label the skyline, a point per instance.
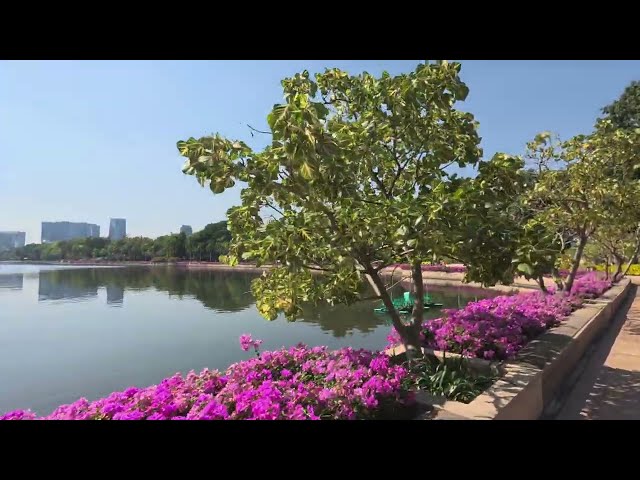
(101, 135)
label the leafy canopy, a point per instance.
(624, 113)
(357, 173)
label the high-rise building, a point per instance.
(58, 231)
(187, 230)
(117, 229)
(11, 240)
(94, 230)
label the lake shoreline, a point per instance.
(434, 278)
(185, 264)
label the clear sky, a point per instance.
(90, 140)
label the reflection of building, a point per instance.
(186, 229)
(11, 240)
(117, 229)
(13, 281)
(57, 231)
(115, 294)
(54, 287)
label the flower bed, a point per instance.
(497, 328)
(295, 384)
(314, 383)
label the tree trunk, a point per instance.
(413, 344)
(380, 289)
(606, 268)
(634, 259)
(543, 287)
(557, 279)
(619, 262)
(576, 263)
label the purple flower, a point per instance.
(245, 342)
(497, 328)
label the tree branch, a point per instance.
(373, 297)
(258, 131)
(274, 208)
(320, 269)
(379, 183)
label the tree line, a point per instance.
(207, 244)
(358, 176)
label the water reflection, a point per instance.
(83, 347)
(55, 285)
(220, 291)
(115, 295)
(226, 291)
(12, 281)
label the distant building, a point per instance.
(117, 229)
(11, 240)
(59, 231)
(187, 230)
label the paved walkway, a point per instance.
(609, 388)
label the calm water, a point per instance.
(69, 332)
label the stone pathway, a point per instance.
(609, 388)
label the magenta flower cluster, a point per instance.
(497, 328)
(296, 384)
(246, 342)
(590, 285)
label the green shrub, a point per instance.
(452, 379)
(634, 270)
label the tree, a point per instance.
(212, 240)
(624, 113)
(615, 242)
(357, 174)
(597, 184)
(181, 245)
(486, 218)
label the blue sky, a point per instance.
(89, 140)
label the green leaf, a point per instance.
(275, 115)
(321, 110)
(525, 268)
(216, 187)
(306, 170)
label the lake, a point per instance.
(73, 331)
